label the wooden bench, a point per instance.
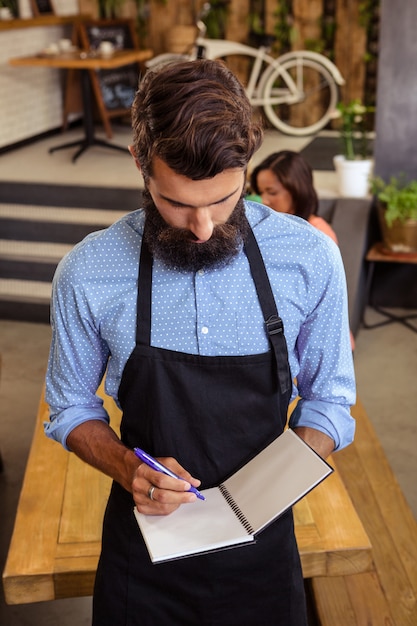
(386, 596)
(56, 539)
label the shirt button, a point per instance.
(201, 272)
(204, 330)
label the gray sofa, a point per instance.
(349, 218)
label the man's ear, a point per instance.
(132, 152)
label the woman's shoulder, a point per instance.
(321, 224)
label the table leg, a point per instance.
(391, 317)
(89, 138)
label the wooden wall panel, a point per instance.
(237, 23)
(270, 8)
(307, 14)
(350, 47)
(238, 30)
(162, 18)
(350, 37)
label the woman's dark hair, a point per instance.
(295, 174)
(196, 117)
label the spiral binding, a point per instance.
(236, 510)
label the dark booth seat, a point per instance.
(349, 218)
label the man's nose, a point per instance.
(201, 224)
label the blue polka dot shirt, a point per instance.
(211, 312)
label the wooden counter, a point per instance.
(55, 545)
(83, 60)
(90, 86)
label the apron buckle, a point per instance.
(274, 325)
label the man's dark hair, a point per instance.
(196, 117)
(295, 174)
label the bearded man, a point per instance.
(176, 304)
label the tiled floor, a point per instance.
(385, 361)
(108, 168)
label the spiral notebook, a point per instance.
(241, 507)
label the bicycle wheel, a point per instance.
(300, 96)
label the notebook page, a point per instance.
(276, 478)
(193, 528)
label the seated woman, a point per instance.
(284, 181)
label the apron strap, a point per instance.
(144, 299)
(273, 323)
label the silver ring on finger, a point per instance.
(150, 492)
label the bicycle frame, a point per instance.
(275, 81)
(217, 48)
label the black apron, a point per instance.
(212, 414)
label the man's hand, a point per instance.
(168, 493)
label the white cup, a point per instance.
(65, 45)
(51, 50)
(106, 48)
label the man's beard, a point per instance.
(176, 247)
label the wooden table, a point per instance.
(379, 254)
(84, 62)
(55, 545)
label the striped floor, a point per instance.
(15, 251)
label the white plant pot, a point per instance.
(353, 176)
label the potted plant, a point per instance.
(397, 212)
(354, 166)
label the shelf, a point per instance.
(44, 20)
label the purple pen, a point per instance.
(159, 467)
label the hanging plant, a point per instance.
(108, 8)
(142, 19)
(284, 26)
(366, 11)
(216, 19)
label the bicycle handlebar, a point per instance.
(202, 28)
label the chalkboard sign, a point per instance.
(118, 32)
(118, 87)
(42, 7)
(114, 88)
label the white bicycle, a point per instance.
(298, 91)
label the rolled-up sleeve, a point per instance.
(63, 422)
(78, 355)
(331, 419)
(322, 355)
